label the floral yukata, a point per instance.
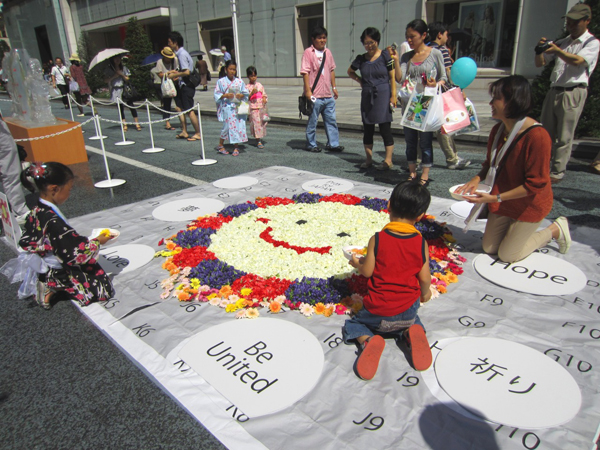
(258, 128)
(234, 126)
(81, 275)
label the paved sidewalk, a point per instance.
(283, 101)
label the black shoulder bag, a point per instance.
(305, 104)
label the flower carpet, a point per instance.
(281, 253)
(400, 407)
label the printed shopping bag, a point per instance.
(424, 111)
(474, 122)
(167, 87)
(243, 108)
(264, 114)
(456, 116)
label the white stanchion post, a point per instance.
(152, 149)
(70, 107)
(98, 135)
(109, 182)
(203, 161)
(124, 141)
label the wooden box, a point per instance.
(67, 148)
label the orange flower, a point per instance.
(171, 245)
(441, 289)
(320, 308)
(328, 311)
(451, 277)
(183, 296)
(167, 262)
(275, 307)
(225, 291)
(248, 303)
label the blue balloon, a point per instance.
(463, 72)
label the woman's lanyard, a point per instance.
(55, 209)
(495, 158)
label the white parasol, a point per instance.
(106, 54)
(216, 52)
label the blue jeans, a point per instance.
(425, 140)
(326, 107)
(366, 324)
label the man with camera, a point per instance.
(576, 57)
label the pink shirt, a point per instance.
(311, 64)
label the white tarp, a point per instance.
(396, 409)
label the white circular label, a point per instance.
(235, 182)
(328, 186)
(463, 209)
(537, 274)
(187, 209)
(260, 365)
(508, 383)
(125, 258)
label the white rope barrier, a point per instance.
(123, 125)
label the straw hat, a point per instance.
(75, 57)
(167, 53)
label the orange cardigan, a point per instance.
(527, 163)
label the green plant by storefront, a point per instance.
(139, 46)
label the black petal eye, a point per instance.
(301, 222)
(343, 234)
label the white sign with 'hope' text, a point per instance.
(261, 365)
(537, 274)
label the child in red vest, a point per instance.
(397, 265)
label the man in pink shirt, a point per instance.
(325, 92)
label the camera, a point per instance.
(539, 49)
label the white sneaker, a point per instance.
(564, 238)
(459, 165)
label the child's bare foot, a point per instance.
(368, 360)
(418, 346)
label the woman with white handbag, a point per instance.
(165, 87)
(425, 67)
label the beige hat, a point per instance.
(74, 57)
(167, 53)
(579, 11)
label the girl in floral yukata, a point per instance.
(228, 93)
(70, 259)
(258, 100)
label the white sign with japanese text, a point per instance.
(508, 383)
(235, 182)
(187, 209)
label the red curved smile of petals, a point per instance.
(266, 236)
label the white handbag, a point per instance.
(243, 108)
(167, 87)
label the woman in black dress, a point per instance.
(378, 98)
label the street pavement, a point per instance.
(64, 385)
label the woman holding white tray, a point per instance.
(517, 167)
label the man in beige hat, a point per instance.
(168, 63)
(576, 57)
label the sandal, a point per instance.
(368, 360)
(366, 165)
(41, 293)
(138, 127)
(170, 128)
(222, 150)
(235, 152)
(384, 166)
(411, 178)
(180, 136)
(424, 182)
(260, 145)
(124, 127)
(418, 346)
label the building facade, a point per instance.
(498, 34)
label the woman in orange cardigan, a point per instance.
(519, 152)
